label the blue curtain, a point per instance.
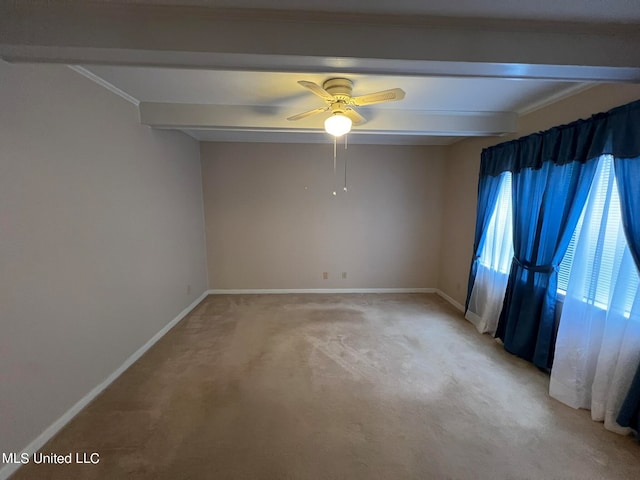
(552, 172)
(629, 415)
(627, 172)
(547, 203)
(488, 188)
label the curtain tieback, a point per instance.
(535, 268)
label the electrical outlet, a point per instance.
(344, 275)
(325, 275)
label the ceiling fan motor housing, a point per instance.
(340, 88)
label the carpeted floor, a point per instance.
(357, 386)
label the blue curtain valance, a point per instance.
(613, 132)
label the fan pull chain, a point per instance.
(345, 164)
(335, 148)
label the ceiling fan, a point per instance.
(336, 92)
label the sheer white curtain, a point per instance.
(598, 345)
(488, 290)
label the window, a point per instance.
(487, 295)
(600, 237)
(497, 251)
(598, 342)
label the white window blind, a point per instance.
(602, 240)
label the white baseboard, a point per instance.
(276, 291)
(457, 305)
(56, 426)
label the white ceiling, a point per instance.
(281, 89)
(626, 11)
(227, 70)
(256, 104)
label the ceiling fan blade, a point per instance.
(355, 117)
(317, 89)
(379, 97)
(308, 114)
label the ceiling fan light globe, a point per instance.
(337, 125)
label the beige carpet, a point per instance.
(334, 387)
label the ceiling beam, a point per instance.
(317, 137)
(274, 119)
(270, 40)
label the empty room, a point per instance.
(298, 240)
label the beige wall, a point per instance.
(272, 221)
(461, 176)
(101, 232)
